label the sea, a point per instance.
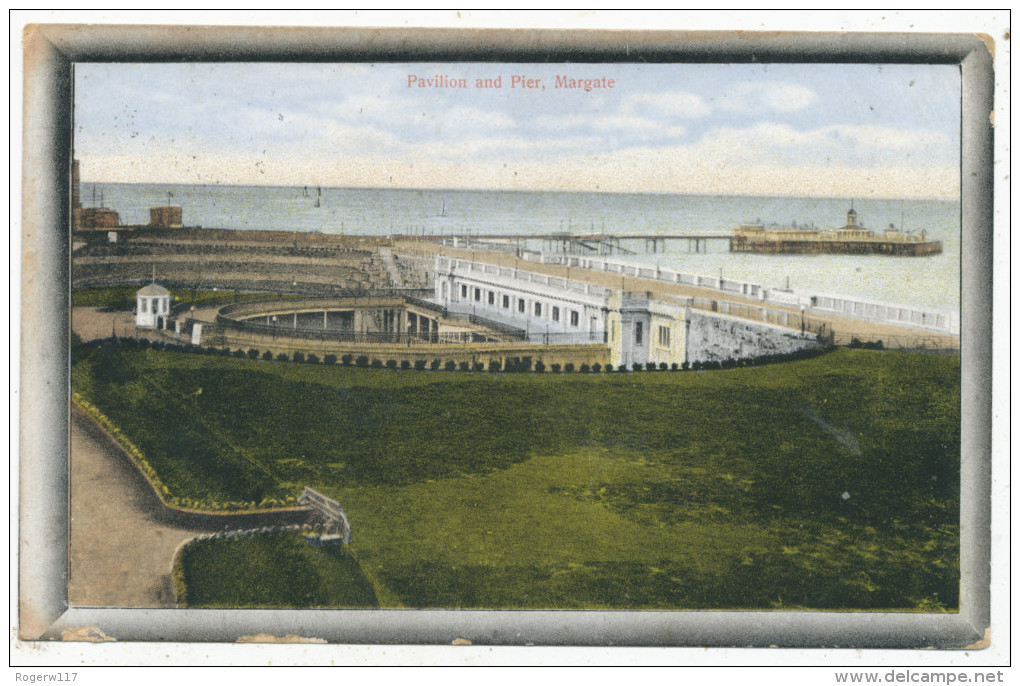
(930, 281)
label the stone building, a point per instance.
(558, 311)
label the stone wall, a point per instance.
(714, 338)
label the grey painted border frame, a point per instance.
(50, 51)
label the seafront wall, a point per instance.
(923, 319)
(715, 338)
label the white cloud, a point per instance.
(668, 104)
(776, 95)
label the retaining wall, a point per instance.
(714, 338)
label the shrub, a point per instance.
(539, 366)
(298, 357)
(650, 366)
(253, 354)
(663, 366)
(240, 354)
(685, 366)
(405, 364)
(362, 361)
(674, 367)
(282, 357)
(696, 366)
(391, 364)
(568, 367)
(225, 352)
(419, 365)
(464, 366)
(450, 366)
(609, 367)
(555, 367)
(436, 365)
(377, 364)
(636, 366)
(596, 368)
(329, 359)
(312, 358)
(479, 367)
(585, 369)
(494, 365)
(346, 359)
(267, 355)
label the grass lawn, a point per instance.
(830, 483)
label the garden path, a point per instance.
(120, 554)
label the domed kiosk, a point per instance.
(152, 306)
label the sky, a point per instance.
(764, 129)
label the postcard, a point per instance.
(442, 336)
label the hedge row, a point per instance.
(437, 364)
(139, 460)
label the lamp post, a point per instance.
(802, 320)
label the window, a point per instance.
(638, 332)
(145, 305)
(538, 309)
(664, 336)
(506, 302)
(492, 297)
(463, 292)
(520, 304)
(575, 319)
(478, 294)
(556, 314)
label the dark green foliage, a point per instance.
(832, 482)
(329, 359)
(267, 355)
(362, 361)
(243, 572)
(650, 366)
(405, 364)
(568, 367)
(464, 366)
(282, 357)
(450, 366)
(312, 358)
(253, 354)
(419, 365)
(479, 366)
(636, 366)
(494, 365)
(346, 359)
(539, 366)
(391, 364)
(674, 367)
(435, 365)
(240, 354)
(585, 369)
(596, 368)
(298, 357)
(555, 367)
(377, 364)
(663, 366)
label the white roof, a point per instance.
(153, 289)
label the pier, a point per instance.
(581, 243)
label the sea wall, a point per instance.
(714, 338)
